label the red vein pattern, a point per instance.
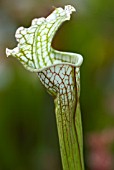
(62, 81)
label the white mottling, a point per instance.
(16, 50)
(55, 81)
(51, 17)
(42, 28)
(27, 36)
(31, 29)
(60, 10)
(39, 44)
(77, 69)
(61, 85)
(57, 69)
(66, 77)
(24, 31)
(51, 30)
(62, 13)
(47, 60)
(39, 51)
(40, 20)
(44, 43)
(45, 54)
(49, 63)
(44, 37)
(34, 54)
(52, 69)
(49, 33)
(50, 85)
(29, 56)
(64, 91)
(42, 32)
(42, 77)
(59, 80)
(18, 35)
(60, 91)
(46, 30)
(38, 38)
(51, 55)
(57, 61)
(63, 70)
(44, 50)
(49, 75)
(70, 80)
(66, 82)
(26, 48)
(30, 40)
(31, 64)
(61, 75)
(44, 46)
(49, 46)
(22, 40)
(19, 30)
(52, 78)
(30, 36)
(34, 21)
(48, 71)
(46, 81)
(35, 60)
(69, 70)
(41, 64)
(49, 25)
(68, 89)
(24, 58)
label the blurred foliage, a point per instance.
(28, 135)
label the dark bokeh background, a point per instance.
(28, 134)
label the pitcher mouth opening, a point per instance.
(75, 63)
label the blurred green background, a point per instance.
(28, 133)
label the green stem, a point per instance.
(70, 130)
